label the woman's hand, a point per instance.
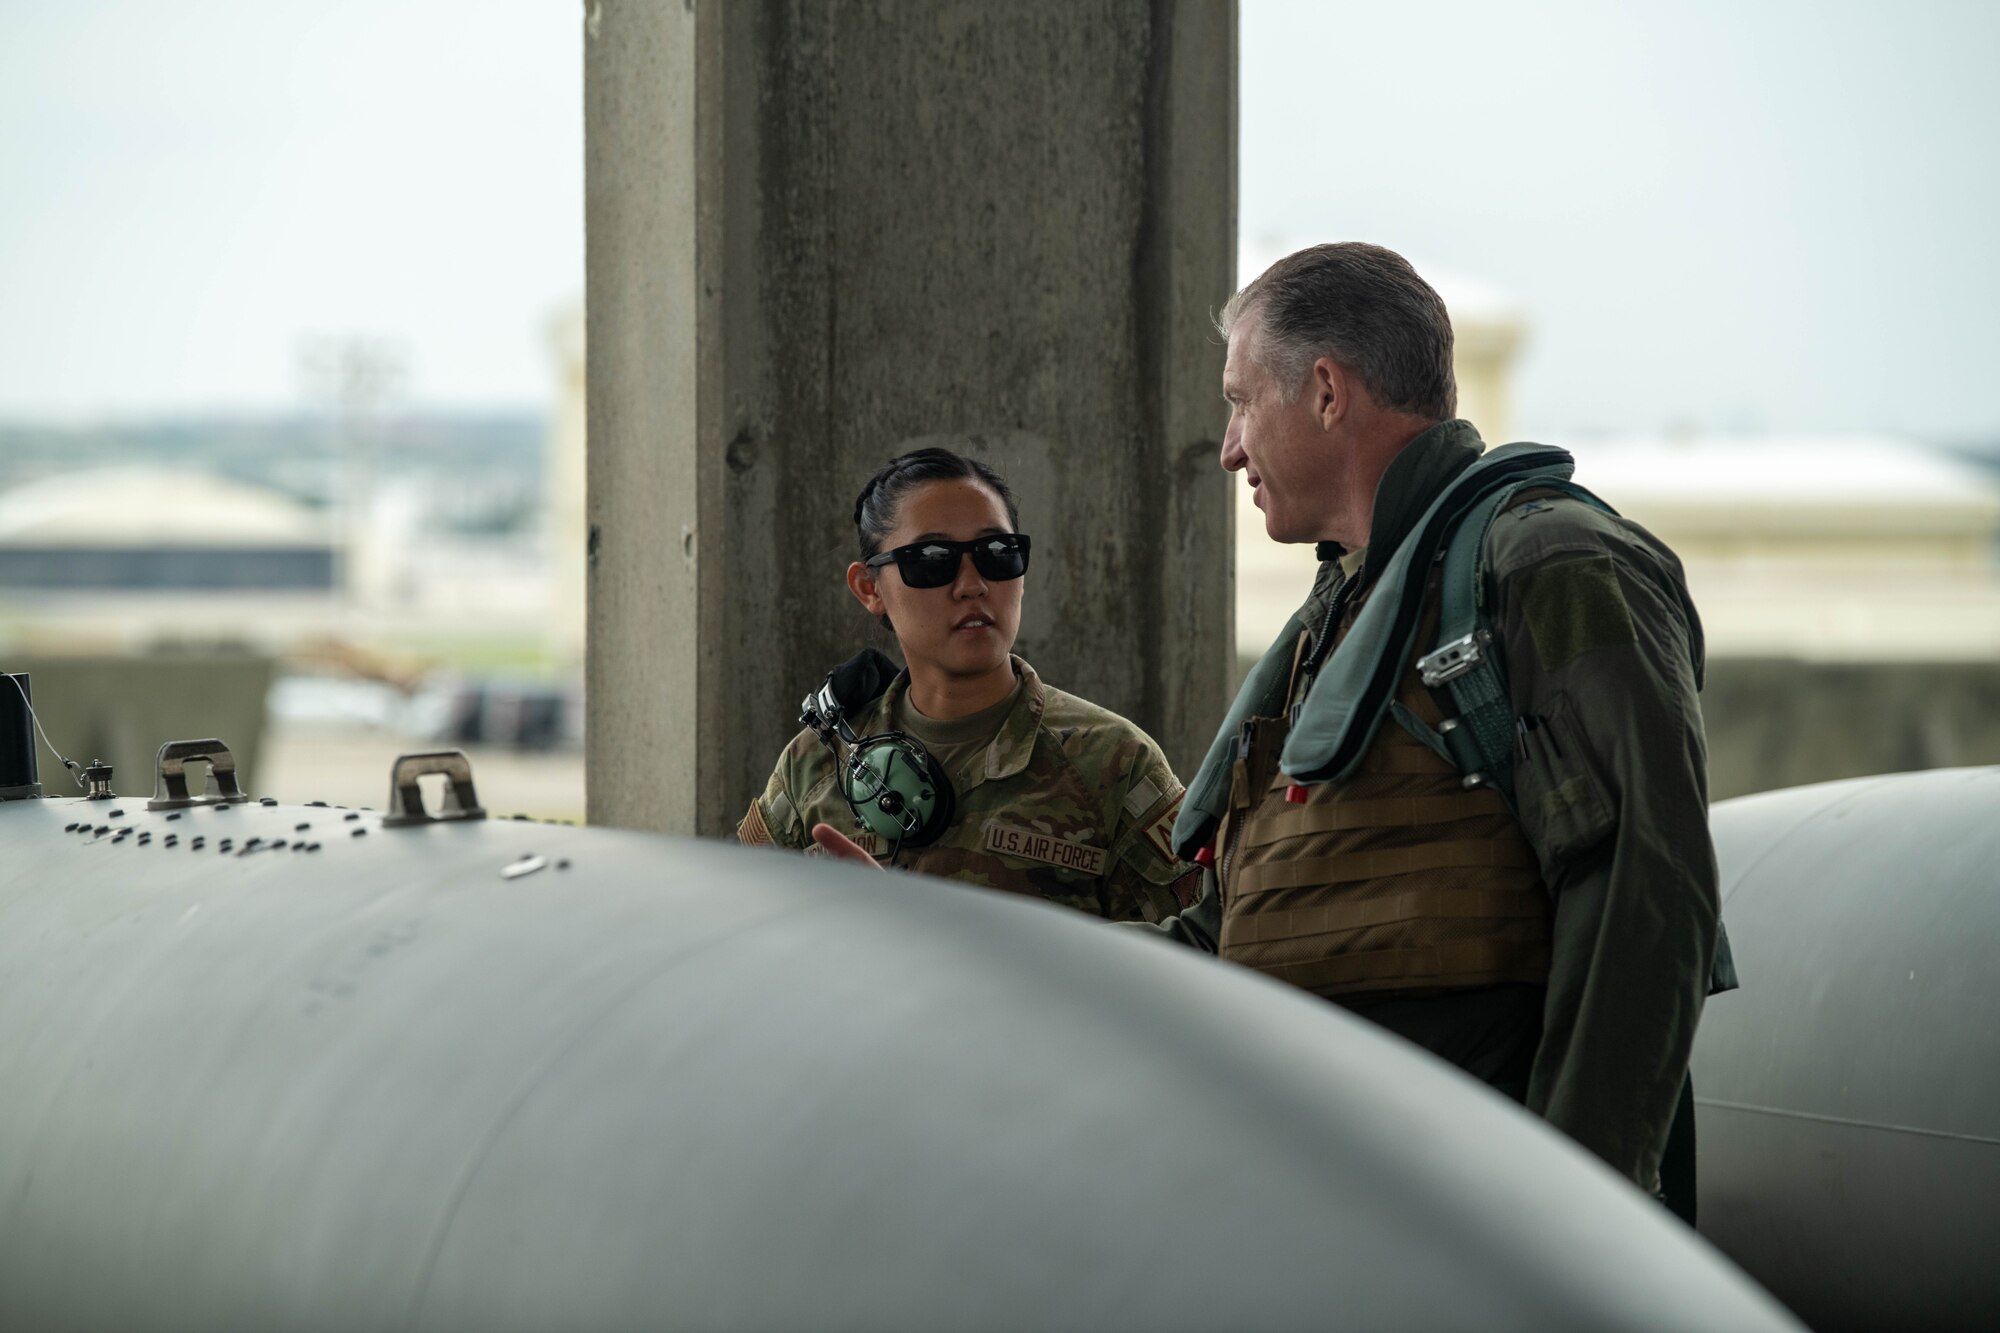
(832, 842)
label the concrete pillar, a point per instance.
(820, 234)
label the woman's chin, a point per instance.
(972, 652)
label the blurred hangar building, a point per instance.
(99, 567)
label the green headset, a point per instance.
(896, 788)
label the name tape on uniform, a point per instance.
(1034, 845)
(861, 838)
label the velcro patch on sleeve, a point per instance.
(1573, 606)
(781, 808)
(1034, 845)
(1140, 799)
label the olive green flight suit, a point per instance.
(1603, 651)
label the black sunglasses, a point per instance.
(934, 563)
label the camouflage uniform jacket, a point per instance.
(1603, 651)
(1069, 802)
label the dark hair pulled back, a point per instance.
(875, 508)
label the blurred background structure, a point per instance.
(285, 351)
(292, 389)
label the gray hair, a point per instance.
(1366, 309)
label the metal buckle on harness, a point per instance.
(1454, 659)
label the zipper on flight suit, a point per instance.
(1336, 602)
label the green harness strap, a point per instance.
(1468, 660)
(1355, 688)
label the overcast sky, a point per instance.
(1762, 214)
(1765, 214)
(189, 188)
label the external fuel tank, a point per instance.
(1848, 1095)
(297, 1067)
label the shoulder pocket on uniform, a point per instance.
(1563, 802)
(1574, 604)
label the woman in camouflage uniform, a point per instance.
(1054, 797)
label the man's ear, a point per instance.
(1332, 390)
(861, 582)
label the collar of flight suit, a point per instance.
(1414, 478)
(1012, 746)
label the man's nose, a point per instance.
(1233, 457)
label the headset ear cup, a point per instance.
(944, 804)
(888, 775)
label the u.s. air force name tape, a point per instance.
(1034, 845)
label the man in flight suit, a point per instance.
(1558, 946)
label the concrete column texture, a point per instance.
(822, 234)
